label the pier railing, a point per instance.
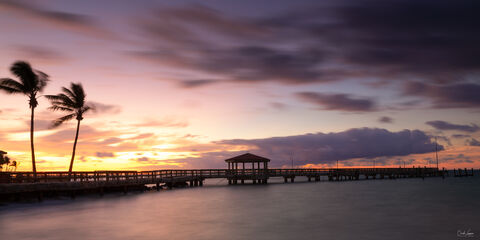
(108, 176)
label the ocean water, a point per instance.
(371, 209)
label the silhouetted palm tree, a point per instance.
(4, 159)
(71, 101)
(31, 83)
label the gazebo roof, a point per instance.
(247, 157)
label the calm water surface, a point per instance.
(382, 209)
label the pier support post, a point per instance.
(40, 196)
(158, 186)
(285, 179)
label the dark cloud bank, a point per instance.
(434, 40)
(350, 144)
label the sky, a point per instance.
(187, 84)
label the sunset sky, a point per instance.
(187, 84)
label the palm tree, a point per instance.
(71, 101)
(31, 83)
(4, 159)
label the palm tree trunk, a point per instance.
(34, 169)
(74, 147)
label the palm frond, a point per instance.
(63, 119)
(42, 79)
(68, 92)
(62, 104)
(53, 97)
(11, 86)
(61, 108)
(76, 94)
(77, 88)
(61, 99)
(25, 73)
(86, 109)
(70, 100)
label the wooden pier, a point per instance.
(462, 173)
(243, 169)
(16, 186)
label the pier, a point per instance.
(19, 185)
(15, 186)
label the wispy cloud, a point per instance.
(473, 142)
(442, 125)
(171, 122)
(61, 20)
(337, 101)
(40, 53)
(458, 95)
(104, 154)
(103, 108)
(196, 83)
(385, 119)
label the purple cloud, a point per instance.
(460, 136)
(328, 42)
(61, 20)
(40, 53)
(341, 102)
(459, 95)
(442, 125)
(104, 154)
(350, 144)
(385, 119)
(101, 108)
(278, 105)
(473, 142)
(196, 83)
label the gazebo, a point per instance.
(258, 173)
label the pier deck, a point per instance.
(16, 184)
